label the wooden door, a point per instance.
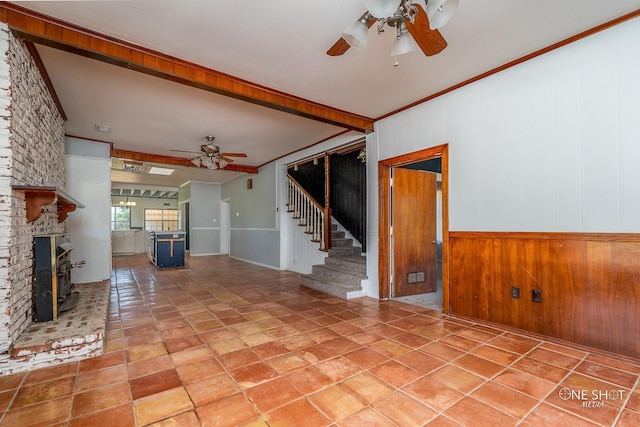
(413, 217)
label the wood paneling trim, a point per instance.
(601, 237)
(525, 58)
(42, 29)
(590, 284)
(180, 161)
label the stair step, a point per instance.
(341, 243)
(339, 290)
(337, 274)
(337, 251)
(353, 263)
(337, 234)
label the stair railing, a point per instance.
(310, 214)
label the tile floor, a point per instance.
(226, 343)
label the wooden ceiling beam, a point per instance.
(168, 160)
(42, 29)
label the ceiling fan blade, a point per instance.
(226, 159)
(234, 154)
(430, 41)
(341, 46)
(338, 48)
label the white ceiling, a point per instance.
(281, 45)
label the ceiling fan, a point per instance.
(210, 155)
(415, 26)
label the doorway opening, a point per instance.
(413, 227)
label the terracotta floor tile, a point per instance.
(41, 392)
(579, 354)
(546, 415)
(505, 399)
(143, 352)
(296, 342)
(227, 346)
(269, 350)
(99, 399)
(470, 412)
(14, 381)
(162, 405)
(212, 389)
(496, 355)
(442, 351)
(336, 402)
(476, 334)
(145, 367)
(191, 355)
(338, 368)
(419, 361)
(608, 374)
(297, 414)
(287, 363)
(395, 373)
(116, 416)
(100, 378)
(457, 378)
(178, 344)
(404, 410)
(53, 373)
(272, 394)
(186, 419)
(478, 365)
(460, 343)
(540, 369)
(390, 348)
(316, 353)
(366, 358)
(238, 359)
(525, 383)
(513, 344)
(252, 375)
(178, 332)
(199, 371)
(309, 380)
(42, 414)
(433, 393)
(367, 417)
(154, 383)
(368, 387)
(553, 358)
(230, 411)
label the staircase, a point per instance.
(343, 270)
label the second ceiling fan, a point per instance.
(415, 27)
(211, 157)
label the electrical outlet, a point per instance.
(536, 295)
(515, 292)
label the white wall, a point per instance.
(552, 144)
(204, 209)
(89, 181)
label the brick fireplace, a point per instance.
(31, 153)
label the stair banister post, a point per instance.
(327, 203)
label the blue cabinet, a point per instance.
(166, 249)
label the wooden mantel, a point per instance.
(36, 197)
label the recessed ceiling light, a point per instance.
(103, 128)
(134, 167)
(160, 171)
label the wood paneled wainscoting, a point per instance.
(589, 284)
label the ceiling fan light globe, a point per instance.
(382, 8)
(207, 162)
(440, 11)
(404, 44)
(196, 161)
(222, 163)
(356, 35)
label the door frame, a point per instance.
(384, 216)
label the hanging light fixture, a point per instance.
(127, 203)
(396, 13)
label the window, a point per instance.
(120, 218)
(161, 219)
